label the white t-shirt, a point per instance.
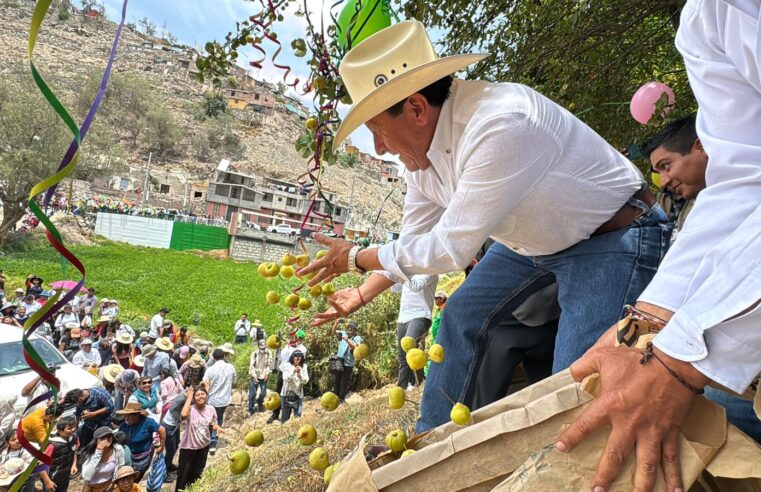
(156, 323)
(417, 297)
(221, 377)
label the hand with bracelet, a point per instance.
(644, 401)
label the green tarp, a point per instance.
(195, 236)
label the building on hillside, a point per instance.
(389, 172)
(267, 201)
(258, 100)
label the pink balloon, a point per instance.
(643, 102)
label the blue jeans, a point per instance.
(596, 278)
(253, 386)
(739, 412)
(171, 444)
(220, 421)
(285, 410)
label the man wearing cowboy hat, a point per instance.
(86, 357)
(18, 297)
(155, 361)
(125, 478)
(500, 161)
(260, 333)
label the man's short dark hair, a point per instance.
(64, 422)
(435, 94)
(218, 354)
(677, 136)
(72, 397)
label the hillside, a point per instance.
(68, 51)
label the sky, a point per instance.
(194, 22)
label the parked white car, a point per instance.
(15, 373)
(283, 228)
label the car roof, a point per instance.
(12, 333)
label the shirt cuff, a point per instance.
(666, 290)
(387, 258)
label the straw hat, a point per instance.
(139, 361)
(195, 361)
(227, 348)
(389, 66)
(441, 294)
(104, 319)
(71, 325)
(132, 407)
(124, 337)
(164, 344)
(124, 472)
(111, 372)
(148, 350)
(257, 323)
(76, 333)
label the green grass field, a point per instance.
(206, 293)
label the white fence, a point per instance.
(140, 231)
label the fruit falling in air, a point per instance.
(302, 261)
(318, 459)
(305, 304)
(272, 269)
(254, 438)
(407, 343)
(460, 414)
(321, 253)
(262, 269)
(306, 435)
(272, 297)
(396, 398)
(291, 300)
(361, 352)
(288, 259)
(287, 271)
(273, 342)
(436, 353)
(329, 401)
(396, 440)
(272, 402)
(328, 289)
(316, 291)
(239, 462)
(416, 359)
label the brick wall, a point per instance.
(261, 247)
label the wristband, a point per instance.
(361, 299)
(353, 267)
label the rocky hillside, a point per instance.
(68, 50)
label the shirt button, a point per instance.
(448, 151)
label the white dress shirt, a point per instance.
(417, 297)
(242, 327)
(713, 271)
(81, 358)
(512, 165)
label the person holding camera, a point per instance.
(348, 340)
(295, 376)
(283, 355)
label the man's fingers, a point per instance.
(324, 317)
(323, 239)
(672, 471)
(619, 445)
(589, 421)
(321, 275)
(339, 309)
(312, 267)
(589, 363)
(648, 460)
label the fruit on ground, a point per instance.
(272, 297)
(307, 435)
(416, 359)
(302, 261)
(329, 473)
(396, 398)
(254, 438)
(305, 304)
(273, 342)
(318, 459)
(436, 353)
(460, 414)
(361, 351)
(272, 402)
(288, 259)
(239, 462)
(407, 343)
(396, 440)
(316, 291)
(329, 401)
(287, 271)
(291, 300)
(408, 452)
(328, 289)
(321, 253)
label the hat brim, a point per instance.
(399, 88)
(125, 411)
(118, 477)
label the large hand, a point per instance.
(333, 264)
(344, 302)
(645, 407)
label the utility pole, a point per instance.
(147, 179)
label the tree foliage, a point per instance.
(588, 55)
(216, 139)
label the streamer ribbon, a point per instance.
(49, 185)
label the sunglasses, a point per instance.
(145, 383)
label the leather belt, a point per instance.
(628, 213)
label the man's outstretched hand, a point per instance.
(645, 406)
(333, 264)
(343, 303)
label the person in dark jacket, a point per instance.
(62, 449)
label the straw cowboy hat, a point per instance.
(104, 319)
(164, 344)
(387, 67)
(124, 338)
(257, 323)
(227, 348)
(124, 472)
(139, 361)
(132, 407)
(111, 372)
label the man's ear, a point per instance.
(698, 146)
(420, 108)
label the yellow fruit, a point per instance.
(396, 398)
(302, 260)
(239, 462)
(272, 402)
(254, 438)
(262, 269)
(272, 297)
(408, 452)
(287, 271)
(329, 401)
(318, 459)
(416, 359)
(328, 289)
(436, 353)
(315, 291)
(291, 300)
(329, 473)
(361, 351)
(460, 414)
(272, 269)
(307, 435)
(273, 342)
(396, 440)
(305, 304)
(288, 259)
(321, 253)
(311, 124)
(407, 343)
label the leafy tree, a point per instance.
(214, 105)
(148, 27)
(348, 160)
(217, 140)
(589, 56)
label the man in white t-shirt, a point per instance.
(414, 320)
(156, 322)
(219, 380)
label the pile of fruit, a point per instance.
(286, 270)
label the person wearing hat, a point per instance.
(94, 409)
(440, 301)
(100, 459)
(101, 325)
(181, 354)
(139, 430)
(259, 369)
(242, 329)
(67, 316)
(348, 341)
(492, 160)
(156, 322)
(143, 339)
(155, 361)
(219, 380)
(260, 333)
(33, 285)
(18, 297)
(125, 480)
(125, 383)
(295, 376)
(295, 342)
(192, 370)
(109, 374)
(121, 349)
(70, 340)
(8, 309)
(86, 358)
(167, 330)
